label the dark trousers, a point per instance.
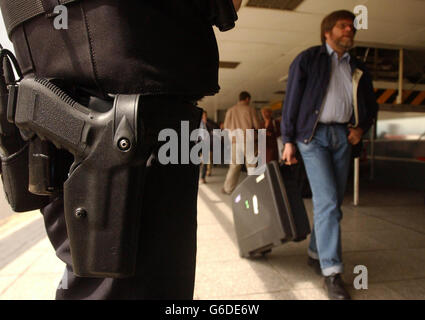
(167, 241)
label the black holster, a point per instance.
(102, 200)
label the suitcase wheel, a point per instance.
(258, 254)
(263, 253)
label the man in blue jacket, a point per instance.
(330, 104)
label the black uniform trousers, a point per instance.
(167, 242)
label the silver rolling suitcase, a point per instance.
(268, 210)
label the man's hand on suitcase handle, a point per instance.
(288, 155)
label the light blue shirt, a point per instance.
(338, 102)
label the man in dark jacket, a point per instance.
(329, 106)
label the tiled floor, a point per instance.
(386, 233)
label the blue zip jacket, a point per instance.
(308, 81)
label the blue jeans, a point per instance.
(327, 161)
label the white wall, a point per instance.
(4, 40)
(401, 124)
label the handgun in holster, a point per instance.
(101, 193)
(41, 123)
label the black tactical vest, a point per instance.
(152, 47)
